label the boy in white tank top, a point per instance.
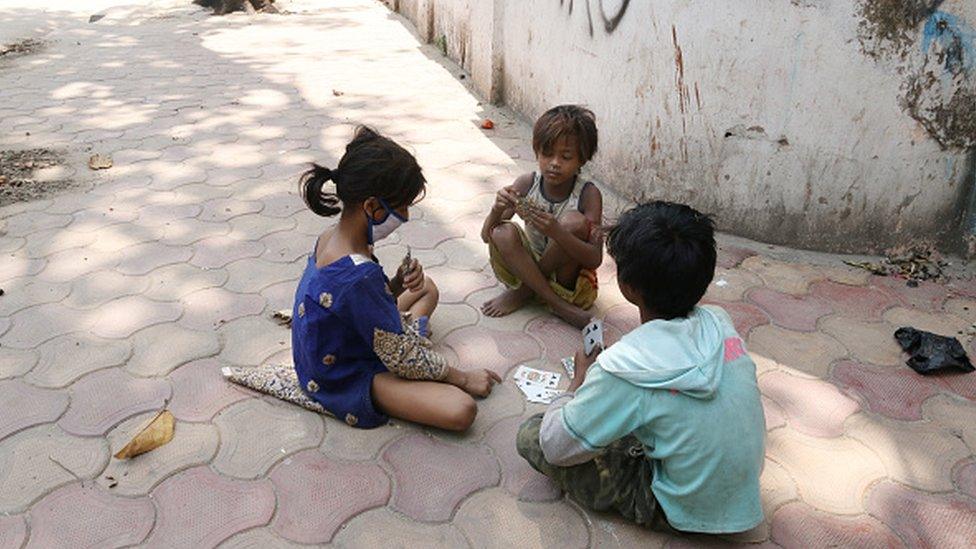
(555, 256)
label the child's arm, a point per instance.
(504, 207)
(588, 253)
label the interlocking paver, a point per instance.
(218, 251)
(126, 316)
(479, 347)
(143, 258)
(212, 307)
(252, 340)
(251, 275)
(174, 282)
(858, 302)
(223, 209)
(100, 287)
(798, 525)
(926, 296)
(254, 435)
(810, 353)
(35, 461)
(21, 293)
(64, 518)
(44, 243)
(940, 323)
(456, 285)
(160, 349)
(745, 316)
(729, 256)
(351, 444)
(32, 326)
(831, 474)
(790, 278)
(917, 453)
(259, 538)
(105, 398)
(518, 477)
(731, 284)
(958, 416)
(69, 357)
(198, 508)
(895, 392)
(14, 266)
(26, 406)
(814, 407)
(200, 391)
(431, 489)
(924, 520)
(792, 312)
(16, 362)
(317, 495)
(373, 528)
(13, 532)
(872, 342)
(192, 444)
(492, 518)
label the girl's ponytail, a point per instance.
(323, 203)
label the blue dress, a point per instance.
(346, 328)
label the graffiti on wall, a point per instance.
(610, 17)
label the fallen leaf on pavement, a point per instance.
(99, 162)
(158, 432)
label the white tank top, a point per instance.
(536, 192)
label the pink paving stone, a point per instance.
(281, 204)
(963, 287)
(456, 285)
(896, 392)
(105, 398)
(775, 416)
(518, 477)
(962, 384)
(317, 495)
(965, 477)
(426, 235)
(624, 317)
(928, 296)
(218, 251)
(558, 338)
(198, 508)
(143, 258)
(924, 520)
(34, 325)
(81, 515)
(13, 532)
(125, 316)
(200, 391)
(730, 257)
(159, 214)
(24, 406)
(430, 488)
(790, 312)
(860, 302)
(814, 407)
(479, 347)
(207, 309)
(799, 525)
(222, 209)
(745, 316)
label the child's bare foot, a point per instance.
(573, 315)
(506, 303)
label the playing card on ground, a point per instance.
(540, 377)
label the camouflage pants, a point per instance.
(618, 480)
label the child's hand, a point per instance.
(543, 221)
(582, 365)
(478, 382)
(413, 277)
(505, 198)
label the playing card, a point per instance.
(539, 377)
(569, 364)
(593, 336)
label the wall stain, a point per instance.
(887, 27)
(611, 20)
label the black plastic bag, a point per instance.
(931, 352)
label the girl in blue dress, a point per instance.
(359, 338)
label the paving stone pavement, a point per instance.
(129, 292)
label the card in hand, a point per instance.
(593, 336)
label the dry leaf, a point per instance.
(283, 317)
(99, 162)
(152, 436)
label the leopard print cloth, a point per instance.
(277, 380)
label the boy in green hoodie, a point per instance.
(665, 427)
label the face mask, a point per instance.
(378, 230)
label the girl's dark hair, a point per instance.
(665, 251)
(373, 165)
(566, 120)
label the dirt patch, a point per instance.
(22, 47)
(31, 174)
(890, 26)
(223, 7)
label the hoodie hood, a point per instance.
(684, 354)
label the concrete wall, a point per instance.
(840, 125)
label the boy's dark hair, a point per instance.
(665, 251)
(373, 165)
(566, 120)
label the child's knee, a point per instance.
(576, 224)
(504, 235)
(462, 413)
